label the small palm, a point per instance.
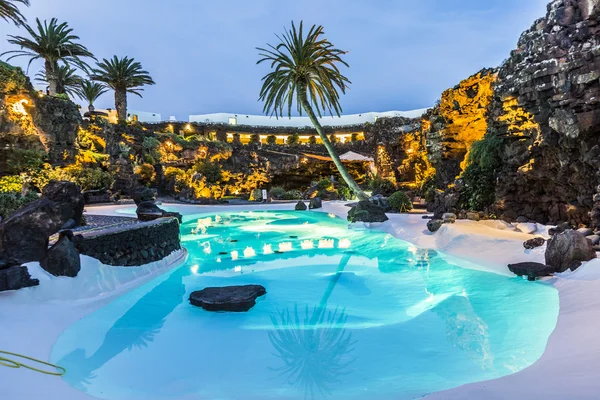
(90, 91)
(68, 81)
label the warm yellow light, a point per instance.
(267, 249)
(285, 246)
(18, 107)
(307, 244)
(234, 255)
(249, 252)
(344, 243)
(326, 243)
(194, 269)
(237, 268)
(188, 127)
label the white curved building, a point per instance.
(297, 122)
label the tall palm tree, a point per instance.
(67, 80)
(10, 12)
(54, 43)
(123, 75)
(305, 69)
(90, 91)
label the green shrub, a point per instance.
(211, 171)
(146, 173)
(293, 138)
(11, 183)
(325, 184)
(293, 194)
(479, 177)
(12, 201)
(255, 139)
(312, 140)
(344, 193)
(21, 160)
(400, 201)
(354, 137)
(88, 178)
(256, 195)
(271, 139)
(62, 96)
(430, 195)
(277, 192)
(382, 186)
(13, 80)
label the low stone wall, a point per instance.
(132, 245)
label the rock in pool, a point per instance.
(227, 298)
(531, 270)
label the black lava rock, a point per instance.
(228, 298)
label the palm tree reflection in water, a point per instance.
(315, 350)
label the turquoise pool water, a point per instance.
(349, 314)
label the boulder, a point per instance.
(594, 239)
(228, 298)
(473, 216)
(434, 225)
(365, 211)
(24, 235)
(300, 206)
(315, 202)
(66, 192)
(534, 243)
(531, 270)
(568, 248)
(144, 194)
(586, 231)
(381, 201)
(527, 228)
(148, 211)
(563, 226)
(16, 277)
(449, 218)
(63, 257)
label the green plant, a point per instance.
(255, 139)
(90, 91)
(354, 137)
(12, 201)
(293, 138)
(21, 160)
(325, 184)
(256, 195)
(67, 81)
(400, 201)
(277, 193)
(11, 183)
(211, 171)
(62, 96)
(123, 75)
(382, 186)
(312, 140)
(146, 173)
(344, 193)
(479, 177)
(13, 80)
(52, 42)
(293, 194)
(430, 195)
(305, 70)
(271, 139)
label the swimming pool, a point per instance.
(349, 314)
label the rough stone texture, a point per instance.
(66, 192)
(63, 258)
(531, 270)
(16, 277)
(315, 202)
(550, 86)
(132, 245)
(148, 211)
(595, 213)
(300, 206)
(449, 218)
(434, 225)
(228, 298)
(568, 248)
(144, 195)
(381, 201)
(24, 235)
(365, 211)
(534, 243)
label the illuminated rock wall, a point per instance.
(547, 109)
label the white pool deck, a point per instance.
(32, 319)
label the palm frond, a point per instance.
(90, 91)
(10, 12)
(306, 64)
(122, 74)
(67, 79)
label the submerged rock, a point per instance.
(534, 243)
(315, 202)
(567, 249)
(16, 277)
(300, 206)
(228, 298)
(365, 211)
(531, 270)
(63, 257)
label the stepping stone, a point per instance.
(531, 270)
(227, 298)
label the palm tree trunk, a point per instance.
(51, 77)
(336, 160)
(121, 104)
